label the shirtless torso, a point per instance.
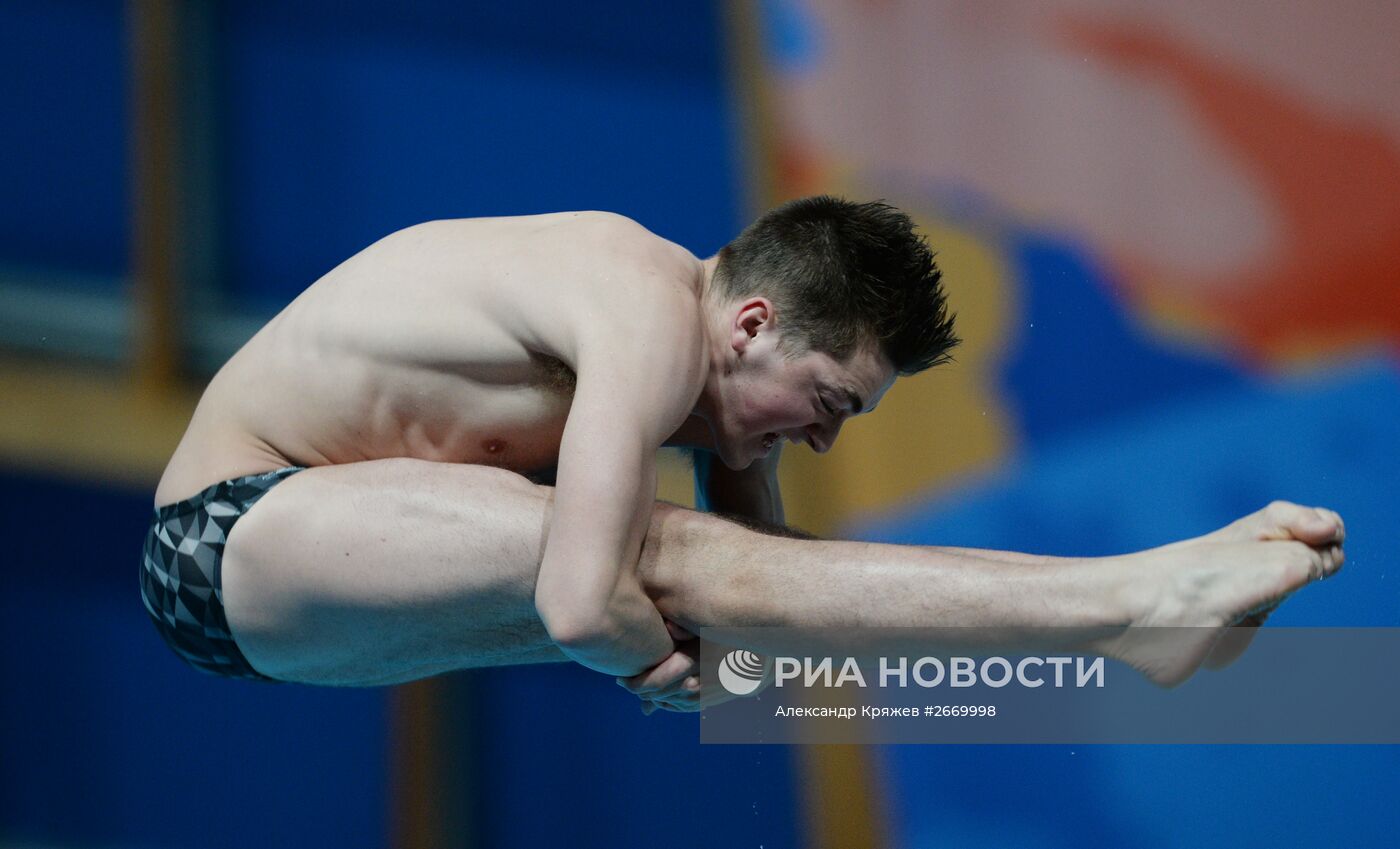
(449, 341)
(578, 342)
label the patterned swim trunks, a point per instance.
(181, 581)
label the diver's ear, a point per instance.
(752, 317)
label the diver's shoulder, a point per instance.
(614, 232)
(600, 229)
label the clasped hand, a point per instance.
(678, 683)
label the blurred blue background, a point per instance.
(1106, 399)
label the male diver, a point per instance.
(353, 503)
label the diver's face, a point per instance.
(803, 399)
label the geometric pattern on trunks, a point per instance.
(181, 581)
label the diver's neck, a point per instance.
(694, 433)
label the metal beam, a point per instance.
(155, 185)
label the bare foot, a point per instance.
(1281, 520)
(1201, 599)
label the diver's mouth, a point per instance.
(769, 440)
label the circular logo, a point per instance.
(741, 672)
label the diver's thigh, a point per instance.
(366, 572)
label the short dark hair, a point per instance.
(842, 274)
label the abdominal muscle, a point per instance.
(296, 395)
(351, 411)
